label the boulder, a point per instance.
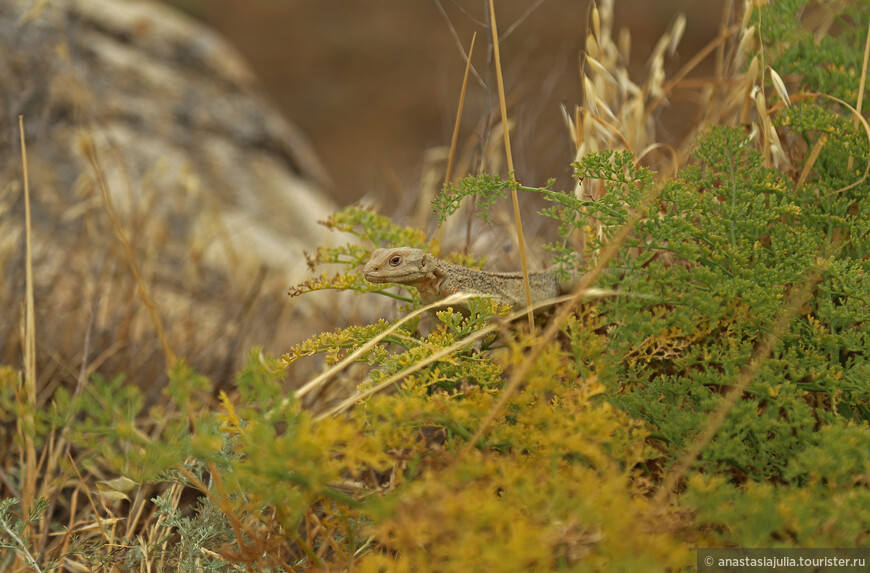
(166, 192)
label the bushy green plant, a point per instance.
(742, 239)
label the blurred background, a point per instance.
(374, 88)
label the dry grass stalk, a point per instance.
(862, 82)
(449, 171)
(518, 221)
(26, 423)
(453, 140)
(811, 160)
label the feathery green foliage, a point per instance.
(485, 190)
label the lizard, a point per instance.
(436, 279)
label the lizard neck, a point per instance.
(429, 285)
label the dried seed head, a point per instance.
(780, 159)
(591, 45)
(572, 127)
(748, 41)
(752, 73)
(753, 132)
(590, 95)
(624, 45)
(779, 85)
(677, 31)
(760, 102)
(656, 78)
(600, 70)
(607, 111)
(659, 51)
(605, 12)
(596, 21)
(748, 8)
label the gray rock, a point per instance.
(216, 194)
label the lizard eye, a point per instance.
(395, 260)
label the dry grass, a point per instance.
(27, 422)
(515, 201)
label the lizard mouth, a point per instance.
(372, 278)
(380, 279)
(375, 277)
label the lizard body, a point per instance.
(437, 279)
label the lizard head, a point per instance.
(402, 265)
